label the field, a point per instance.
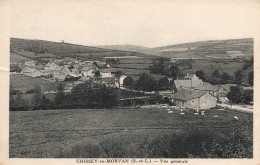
(132, 66)
(208, 66)
(25, 83)
(50, 49)
(52, 133)
(16, 58)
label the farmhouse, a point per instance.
(189, 81)
(194, 99)
(31, 72)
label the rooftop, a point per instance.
(188, 94)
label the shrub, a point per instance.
(190, 143)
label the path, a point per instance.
(243, 108)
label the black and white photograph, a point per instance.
(131, 79)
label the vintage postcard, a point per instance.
(129, 82)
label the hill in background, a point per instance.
(223, 49)
(45, 50)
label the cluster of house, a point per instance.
(67, 69)
(191, 92)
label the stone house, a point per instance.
(194, 99)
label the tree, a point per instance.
(200, 74)
(251, 78)
(128, 81)
(15, 68)
(97, 74)
(45, 103)
(174, 72)
(59, 98)
(91, 95)
(95, 64)
(239, 76)
(163, 83)
(160, 66)
(235, 94)
(226, 77)
(146, 83)
(216, 74)
(37, 96)
(247, 96)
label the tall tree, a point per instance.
(235, 94)
(163, 83)
(160, 66)
(247, 96)
(146, 83)
(251, 78)
(174, 72)
(128, 81)
(226, 76)
(239, 76)
(216, 74)
(37, 96)
(200, 74)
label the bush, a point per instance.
(191, 143)
(200, 74)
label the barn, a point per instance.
(194, 99)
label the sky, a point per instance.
(144, 23)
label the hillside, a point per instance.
(25, 83)
(43, 50)
(223, 49)
(127, 47)
(209, 49)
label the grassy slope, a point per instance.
(25, 83)
(209, 66)
(214, 48)
(16, 58)
(66, 49)
(46, 133)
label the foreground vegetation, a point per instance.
(130, 133)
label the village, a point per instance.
(189, 92)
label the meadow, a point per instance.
(208, 66)
(40, 48)
(16, 58)
(114, 132)
(25, 83)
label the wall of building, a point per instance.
(208, 101)
(204, 102)
(192, 104)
